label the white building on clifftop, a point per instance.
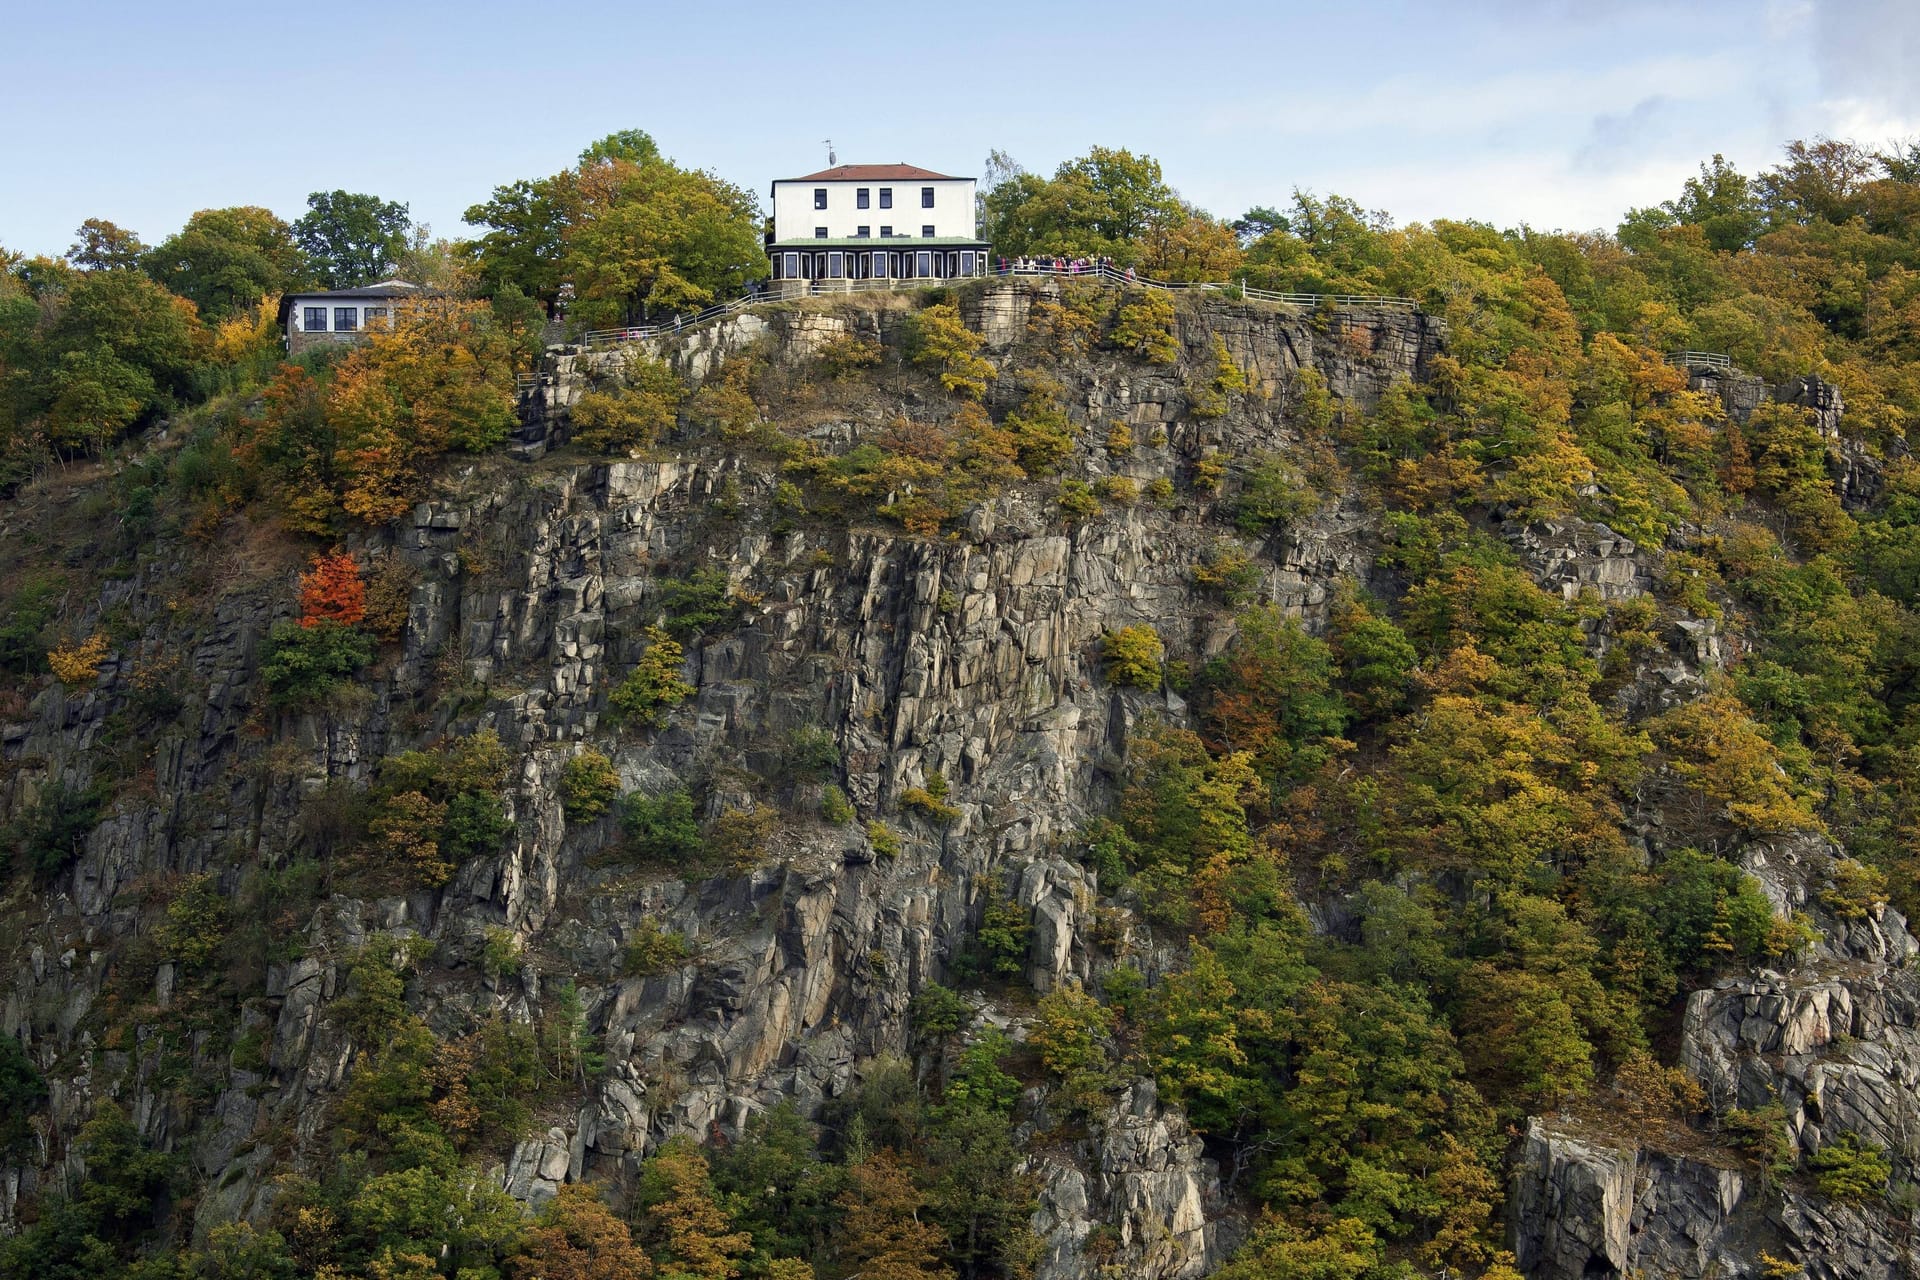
(873, 222)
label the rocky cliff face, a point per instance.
(974, 657)
(1835, 1042)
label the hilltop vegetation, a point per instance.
(1533, 861)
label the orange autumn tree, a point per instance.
(333, 591)
(439, 377)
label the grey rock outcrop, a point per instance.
(533, 580)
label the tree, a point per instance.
(653, 687)
(303, 663)
(653, 237)
(1258, 223)
(1189, 244)
(576, 1237)
(632, 146)
(973, 1189)
(523, 245)
(777, 1189)
(226, 259)
(1102, 204)
(682, 1226)
(1819, 181)
(102, 246)
(1272, 694)
(1716, 750)
(114, 1209)
(350, 238)
(1132, 657)
(22, 1092)
(1720, 201)
(1192, 1036)
(881, 1236)
(333, 590)
(438, 377)
(1375, 657)
(114, 349)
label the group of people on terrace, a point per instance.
(1027, 264)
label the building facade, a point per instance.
(339, 315)
(874, 221)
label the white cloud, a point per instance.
(1868, 50)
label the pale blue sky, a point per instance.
(1553, 113)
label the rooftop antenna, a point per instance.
(832, 159)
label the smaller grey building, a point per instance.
(339, 315)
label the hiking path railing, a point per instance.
(1099, 273)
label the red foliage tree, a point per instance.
(333, 590)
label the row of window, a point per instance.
(878, 265)
(861, 195)
(861, 233)
(345, 319)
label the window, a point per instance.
(345, 319)
(886, 231)
(863, 232)
(966, 262)
(926, 197)
(316, 321)
(819, 233)
(792, 265)
(927, 231)
(879, 266)
(886, 197)
(860, 198)
(371, 314)
(819, 197)
(836, 266)
(925, 266)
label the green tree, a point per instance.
(643, 236)
(302, 665)
(522, 248)
(653, 687)
(22, 1092)
(102, 246)
(227, 259)
(350, 238)
(1132, 657)
(662, 828)
(1850, 1169)
(589, 784)
(113, 1211)
(115, 349)
(1272, 694)
(1102, 204)
(975, 1193)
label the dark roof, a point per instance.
(874, 173)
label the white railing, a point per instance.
(786, 290)
(1700, 359)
